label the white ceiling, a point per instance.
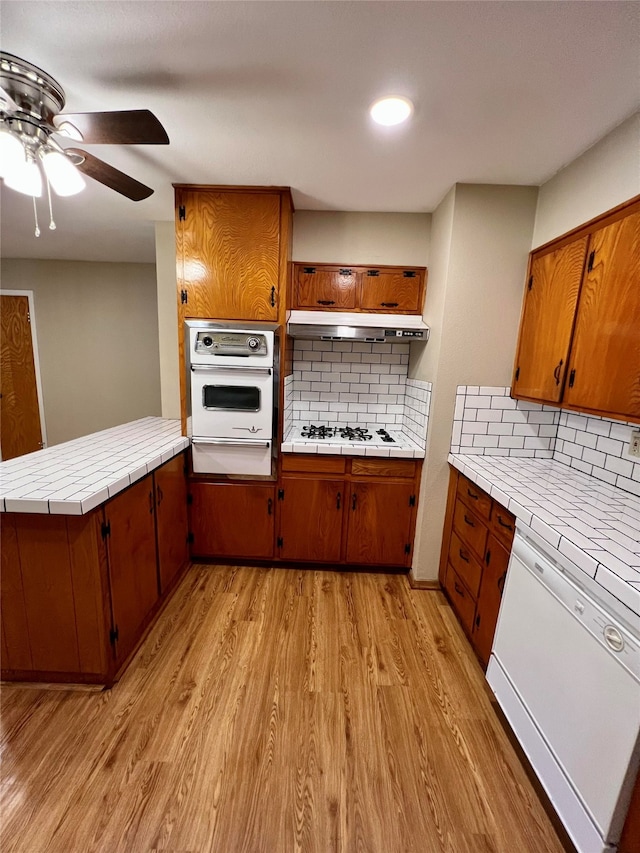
(277, 93)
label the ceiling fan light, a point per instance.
(391, 110)
(27, 179)
(12, 153)
(62, 174)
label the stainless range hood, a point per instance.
(337, 326)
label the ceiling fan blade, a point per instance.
(109, 175)
(121, 127)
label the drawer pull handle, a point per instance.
(471, 495)
(462, 555)
(501, 581)
(458, 588)
(326, 302)
(504, 523)
(468, 521)
(389, 304)
(269, 506)
(338, 501)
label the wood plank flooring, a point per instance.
(274, 710)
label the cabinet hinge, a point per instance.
(572, 377)
(279, 542)
(182, 214)
(346, 271)
(189, 498)
(184, 297)
(280, 494)
(530, 285)
(412, 500)
(310, 270)
(114, 634)
(407, 548)
(373, 273)
(517, 373)
(106, 529)
(190, 538)
(592, 258)
(409, 274)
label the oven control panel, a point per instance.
(221, 342)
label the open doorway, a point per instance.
(22, 427)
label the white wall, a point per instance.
(361, 238)
(168, 319)
(97, 341)
(480, 248)
(604, 176)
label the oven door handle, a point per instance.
(196, 367)
(232, 442)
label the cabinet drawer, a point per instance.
(465, 564)
(474, 497)
(470, 528)
(460, 598)
(312, 463)
(383, 468)
(502, 524)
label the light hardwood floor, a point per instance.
(275, 710)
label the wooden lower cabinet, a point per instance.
(172, 522)
(476, 545)
(379, 526)
(310, 519)
(78, 592)
(232, 519)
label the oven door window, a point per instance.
(236, 398)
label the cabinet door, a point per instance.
(133, 567)
(492, 584)
(325, 287)
(310, 525)
(391, 290)
(379, 523)
(171, 520)
(605, 356)
(228, 254)
(550, 300)
(232, 519)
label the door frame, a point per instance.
(36, 357)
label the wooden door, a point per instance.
(326, 288)
(310, 523)
(132, 562)
(379, 523)
(171, 520)
(232, 519)
(491, 586)
(390, 290)
(604, 368)
(19, 411)
(550, 299)
(228, 254)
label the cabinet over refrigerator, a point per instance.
(232, 382)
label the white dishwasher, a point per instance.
(565, 669)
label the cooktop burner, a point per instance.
(347, 433)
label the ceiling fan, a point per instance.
(31, 102)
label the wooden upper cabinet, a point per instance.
(325, 287)
(604, 369)
(229, 253)
(550, 300)
(333, 287)
(391, 289)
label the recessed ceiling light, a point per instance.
(392, 110)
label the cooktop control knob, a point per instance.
(253, 343)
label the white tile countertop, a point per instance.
(403, 447)
(594, 524)
(77, 476)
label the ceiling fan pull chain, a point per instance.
(52, 224)
(35, 216)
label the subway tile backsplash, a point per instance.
(488, 422)
(356, 383)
